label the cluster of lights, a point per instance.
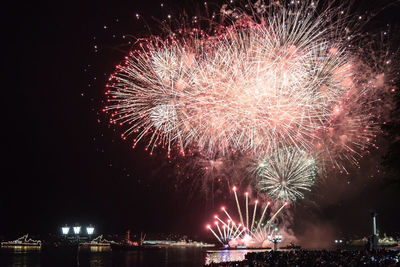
(275, 238)
(77, 230)
(338, 241)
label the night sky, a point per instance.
(62, 162)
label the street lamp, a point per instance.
(90, 230)
(277, 238)
(65, 230)
(77, 230)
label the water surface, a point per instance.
(167, 257)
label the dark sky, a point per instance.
(62, 163)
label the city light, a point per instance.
(90, 230)
(65, 230)
(77, 230)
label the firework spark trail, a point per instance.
(239, 233)
(261, 234)
(285, 78)
(212, 231)
(230, 231)
(262, 216)
(254, 215)
(285, 172)
(349, 132)
(247, 210)
(227, 214)
(219, 229)
(238, 206)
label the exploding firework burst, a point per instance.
(346, 138)
(251, 230)
(246, 89)
(285, 173)
(286, 82)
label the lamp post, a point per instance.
(77, 230)
(65, 230)
(89, 230)
(275, 238)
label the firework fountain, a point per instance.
(249, 231)
(285, 84)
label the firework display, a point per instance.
(281, 83)
(245, 89)
(251, 231)
(285, 172)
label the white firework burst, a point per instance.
(285, 173)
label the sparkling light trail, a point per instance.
(233, 234)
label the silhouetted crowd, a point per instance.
(317, 258)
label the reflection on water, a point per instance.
(100, 249)
(95, 257)
(21, 256)
(105, 257)
(183, 257)
(21, 249)
(217, 256)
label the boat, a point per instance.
(189, 243)
(98, 242)
(23, 241)
(124, 246)
(127, 244)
